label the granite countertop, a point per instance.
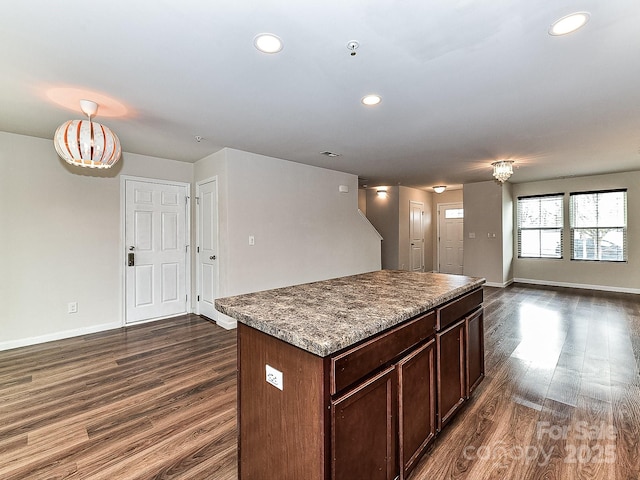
(327, 316)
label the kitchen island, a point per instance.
(352, 378)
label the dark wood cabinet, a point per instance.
(475, 349)
(416, 405)
(368, 411)
(452, 386)
(363, 431)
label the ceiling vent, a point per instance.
(329, 154)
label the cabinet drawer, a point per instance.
(458, 308)
(358, 362)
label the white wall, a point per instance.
(60, 240)
(390, 215)
(382, 212)
(486, 255)
(304, 228)
(624, 277)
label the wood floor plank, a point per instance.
(158, 400)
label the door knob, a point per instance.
(212, 257)
(132, 248)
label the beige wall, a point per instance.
(61, 240)
(304, 228)
(623, 277)
(487, 244)
(382, 212)
(390, 216)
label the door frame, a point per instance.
(197, 242)
(123, 248)
(438, 206)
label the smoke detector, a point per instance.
(352, 46)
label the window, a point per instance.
(540, 225)
(454, 213)
(599, 226)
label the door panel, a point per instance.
(416, 235)
(452, 388)
(208, 255)
(156, 234)
(416, 405)
(450, 238)
(362, 431)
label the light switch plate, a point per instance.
(274, 377)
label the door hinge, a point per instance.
(186, 248)
(197, 200)
(186, 199)
(198, 249)
(198, 297)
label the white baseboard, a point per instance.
(604, 288)
(226, 321)
(24, 342)
(498, 285)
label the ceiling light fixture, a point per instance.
(439, 188)
(569, 23)
(85, 143)
(268, 43)
(371, 100)
(502, 170)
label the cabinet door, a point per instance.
(475, 349)
(452, 388)
(416, 405)
(363, 431)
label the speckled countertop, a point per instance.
(327, 316)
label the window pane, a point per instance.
(530, 243)
(584, 244)
(598, 226)
(584, 210)
(611, 210)
(551, 243)
(540, 223)
(529, 213)
(611, 244)
(454, 213)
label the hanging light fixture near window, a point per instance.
(502, 170)
(85, 143)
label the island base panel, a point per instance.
(281, 433)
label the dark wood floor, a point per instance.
(561, 399)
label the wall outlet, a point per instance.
(472, 235)
(252, 240)
(72, 307)
(274, 377)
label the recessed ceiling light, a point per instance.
(569, 24)
(371, 100)
(268, 43)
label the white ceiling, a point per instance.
(463, 82)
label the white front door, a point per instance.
(156, 249)
(416, 235)
(207, 251)
(450, 238)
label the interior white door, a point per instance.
(207, 251)
(156, 243)
(416, 235)
(450, 238)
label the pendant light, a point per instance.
(85, 143)
(502, 170)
